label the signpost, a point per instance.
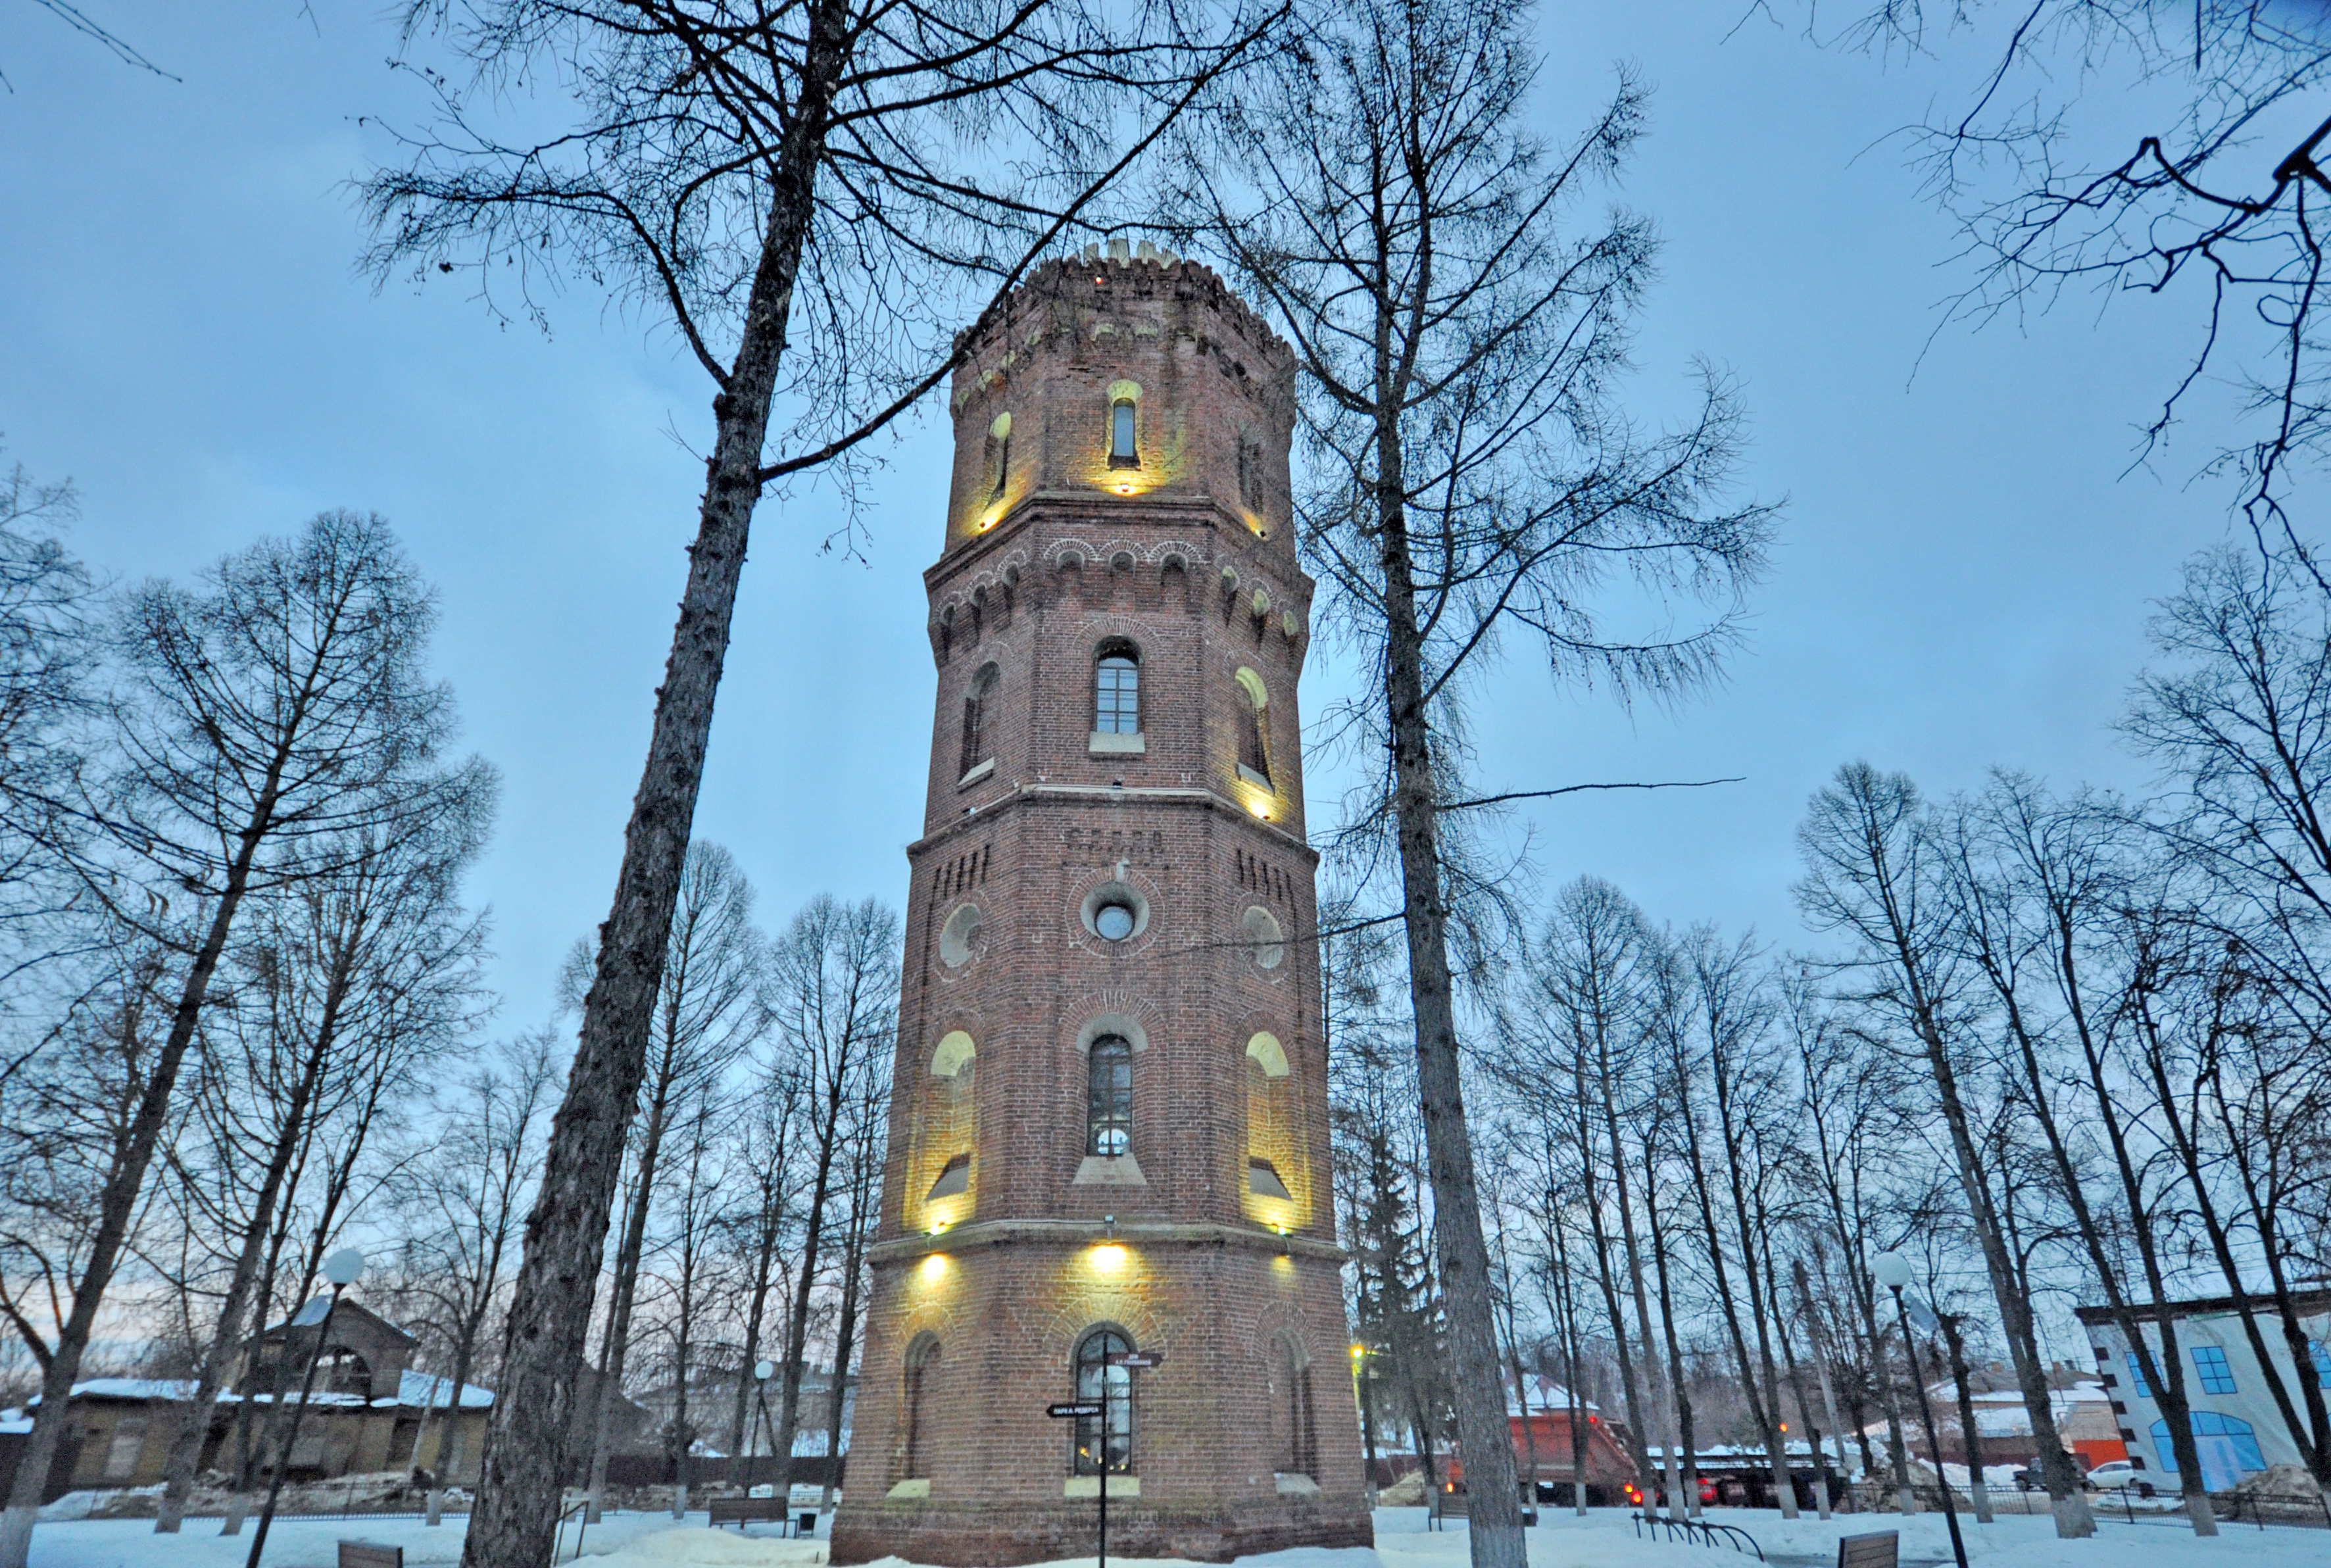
(1098, 1409)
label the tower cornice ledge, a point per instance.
(1078, 1233)
(1108, 795)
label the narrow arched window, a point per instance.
(975, 725)
(922, 1366)
(1109, 1119)
(1102, 1379)
(1116, 689)
(1302, 1423)
(1122, 452)
(999, 440)
(1254, 732)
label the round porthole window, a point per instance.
(1116, 911)
(959, 938)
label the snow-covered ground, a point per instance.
(1604, 1539)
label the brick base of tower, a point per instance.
(1214, 1424)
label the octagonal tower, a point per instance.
(1109, 1127)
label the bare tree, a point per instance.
(1872, 874)
(767, 1151)
(833, 996)
(279, 711)
(463, 1206)
(2196, 200)
(813, 195)
(1459, 346)
(47, 646)
(342, 953)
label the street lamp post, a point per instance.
(763, 1371)
(341, 1269)
(1367, 1419)
(1892, 1270)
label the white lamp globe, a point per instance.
(764, 1369)
(343, 1265)
(1890, 1269)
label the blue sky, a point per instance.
(1961, 579)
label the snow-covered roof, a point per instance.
(416, 1388)
(135, 1387)
(1544, 1395)
(14, 1421)
(419, 1388)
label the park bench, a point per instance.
(740, 1511)
(370, 1555)
(1448, 1504)
(1878, 1549)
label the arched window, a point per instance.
(2240, 1447)
(1302, 1426)
(975, 717)
(1122, 453)
(1108, 1065)
(999, 438)
(1116, 689)
(1254, 733)
(1107, 1437)
(922, 1368)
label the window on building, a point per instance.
(1116, 689)
(127, 1443)
(1254, 731)
(1107, 1438)
(975, 707)
(1302, 1425)
(2137, 1383)
(922, 1366)
(2217, 1377)
(999, 438)
(1109, 1117)
(1122, 452)
(2322, 1349)
(2207, 1423)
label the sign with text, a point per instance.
(1138, 1360)
(1074, 1410)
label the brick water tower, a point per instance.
(1109, 1128)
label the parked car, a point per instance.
(2118, 1476)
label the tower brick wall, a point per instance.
(1006, 1238)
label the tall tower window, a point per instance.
(976, 701)
(1254, 733)
(922, 1364)
(1107, 1437)
(999, 441)
(1302, 1425)
(1116, 689)
(1122, 452)
(1108, 1117)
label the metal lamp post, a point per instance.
(341, 1269)
(1892, 1270)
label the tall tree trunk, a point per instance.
(789, 1388)
(1638, 1449)
(525, 1455)
(618, 1342)
(2073, 1518)
(1685, 1479)
(2166, 1375)
(1797, 1389)
(1495, 1509)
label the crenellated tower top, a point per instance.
(1126, 374)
